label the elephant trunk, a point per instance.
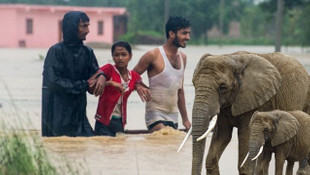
(201, 119)
(255, 148)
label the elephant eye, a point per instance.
(266, 130)
(223, 88)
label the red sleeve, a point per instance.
(136, 76)
(107, 70)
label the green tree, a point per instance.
(145, 15)
(303, 25)
(254, 23)
(296, 26)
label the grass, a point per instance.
(22, 153)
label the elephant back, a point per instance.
(295, 81)
(303, 137)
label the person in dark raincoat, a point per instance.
(68, 66)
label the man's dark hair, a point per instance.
(124, 44)
(176, 23)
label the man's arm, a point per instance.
(181, 101)
(182, 108)
(97, 83)
(143, 92)
(99, 86)
(144, 64)
(53, 77)
(99, 75)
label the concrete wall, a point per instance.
(47, 24)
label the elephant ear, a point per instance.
(258, 79)
(287, 127)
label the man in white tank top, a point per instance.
(165, 68)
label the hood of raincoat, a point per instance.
(70, 26)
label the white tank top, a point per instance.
(164, 87)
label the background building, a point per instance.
(40, 25)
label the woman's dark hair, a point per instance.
(176, 23)
(124, 44)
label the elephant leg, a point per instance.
(243, 139)
(266, 167)
(304, 168)
(263, 163)
(289, 168)
(279, 164)
(220, 139)
(303, 163)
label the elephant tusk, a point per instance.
(246, 157)
(211, 126)
(185, 139)
(259, 153)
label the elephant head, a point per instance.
(275, 127)
(240, 81)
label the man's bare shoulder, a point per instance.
(147, 61)
(151, 54)
(183, 55)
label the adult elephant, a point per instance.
(232, 87)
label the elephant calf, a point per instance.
(284, 133)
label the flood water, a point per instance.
(132, 154)
(125, 154)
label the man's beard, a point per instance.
(82, 37)
(176, 43)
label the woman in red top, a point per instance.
(111, 111)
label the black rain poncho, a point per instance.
(67, 67)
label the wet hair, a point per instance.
(124, 44)
(176, 23)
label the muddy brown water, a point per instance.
(154, 153)
(129, 154)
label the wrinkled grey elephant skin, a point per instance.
(234, 86)
(284, 133)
